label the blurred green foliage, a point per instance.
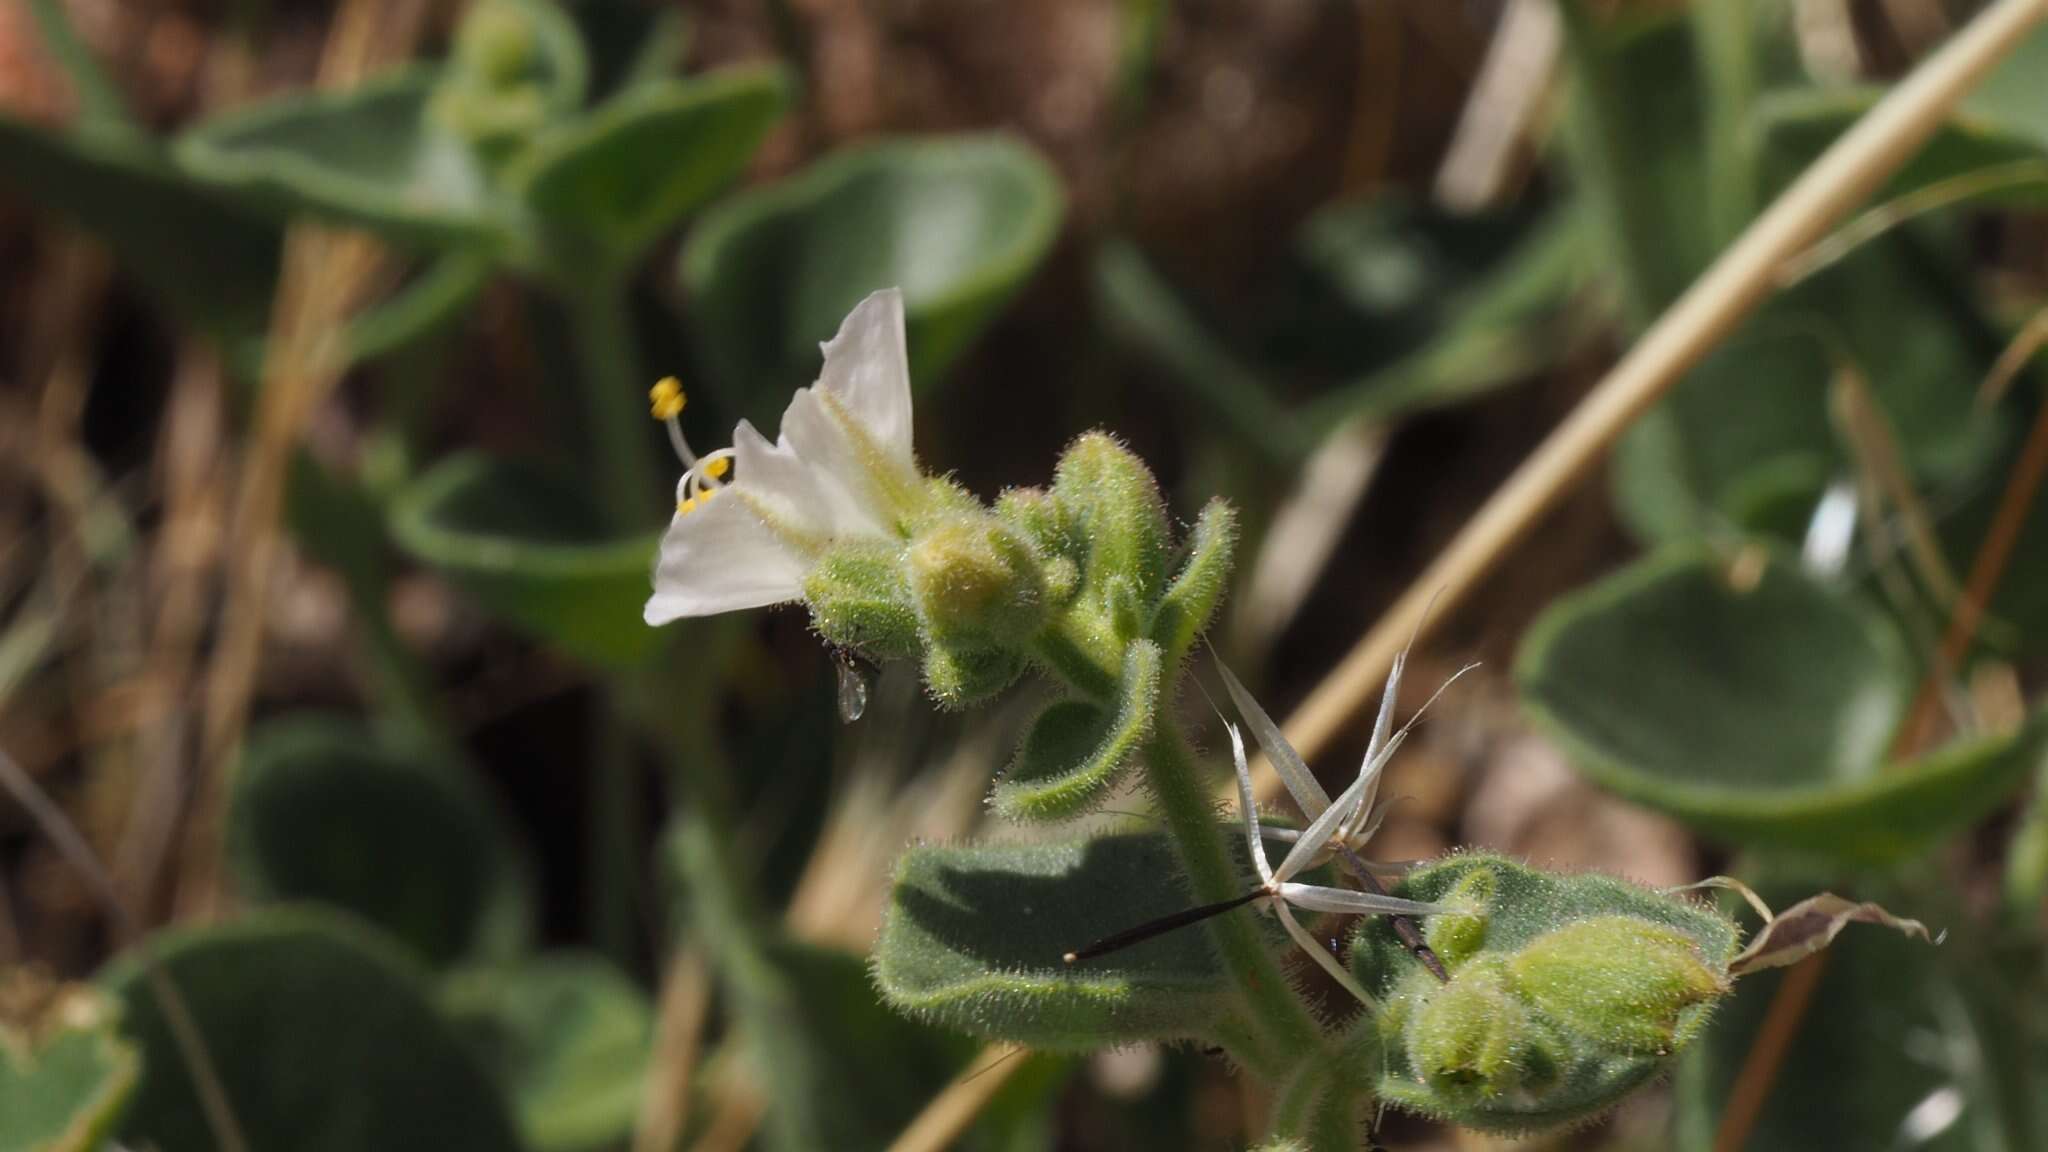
(388, 986)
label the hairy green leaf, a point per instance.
(1759, 715)
(443, 875)
(629, 171)
(96, 181)
(973, 939)
(1190, 601)
(371, 157)
(957, 223)
(324, 1038)
(531, 550)
(567, 1038)
(1076, 751)
(65, 1074)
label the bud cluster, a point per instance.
(495, 90)
(1566, 992)
(1068, 578)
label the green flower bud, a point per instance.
(975, 580)
(1034, 515)
(1628, 983)
(496, 45)
(959, 675)
(859, 599)
(1113, 504)
(1467, 1037)
(1455, 936)
(1572, 991)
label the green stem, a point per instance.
(613, 391)
(1723, 30)
(1611, 167)
(609, 385)
(99, 101)
(1287, 1030)
(2026, 863)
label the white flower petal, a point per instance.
(845, 489)
(1317, 898)
(867, 369)
(779, 480)
(721, 558)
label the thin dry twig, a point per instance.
(1486, 151)
(678, 1037)
(1844, 176)
(325, 277)
(1986, 571)
(1767, 1054)
(951, 1112)
(64, 836)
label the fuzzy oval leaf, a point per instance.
(65, 1074)
(371, 157)
(1521, 912)
(566, 1036)
(1993, 150)
(532, 551)
(1759, 717)
(1747, 437)
(958, 223)
(629, 171)
(324, 1038)
(97, 180)
(325, 811)
(1075, 751)
(1902, 1045)
(973, 936)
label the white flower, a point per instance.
(842, 469)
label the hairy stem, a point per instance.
(1286, 1029)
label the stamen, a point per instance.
(716, 464)
(666, 398)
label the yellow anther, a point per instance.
(685, 505)
(717, 467)
(666, 398)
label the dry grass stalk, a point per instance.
(325, 277)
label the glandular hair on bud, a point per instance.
(1623, 981)
(975, 579)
